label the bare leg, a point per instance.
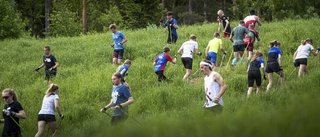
(249, 91)
(41, 127)
(258, 89)
(187, 75)
(119, 61)
(114, 61)
(270, 78)
(54, 128)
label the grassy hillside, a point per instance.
(172, 108)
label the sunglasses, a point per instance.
(5, 97)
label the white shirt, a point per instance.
(48, 104)
(304, 51)
(188, 48)
(212, 89)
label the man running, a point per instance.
(226, 24)
(249, 40)
(213, 48)
(188, 48)
(160, 63)
(118, 45)
(238, 44)
(252, 19)
(172, 25)
(50, 63)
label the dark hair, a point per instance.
(169, 13)
(241, 22)
(113, 26)
(47, 47)
(12, 93)
(252, 12)
(216, 34)
(166, 49)
(274, 43)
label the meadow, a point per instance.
(172, 108)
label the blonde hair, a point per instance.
(127, 61)
(220, 12)
(304, 42)
(52, 88)
(11, 93)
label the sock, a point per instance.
(234, 61)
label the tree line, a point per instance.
(47, 18)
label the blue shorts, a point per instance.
(212, 57)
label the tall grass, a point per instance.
(171, 108)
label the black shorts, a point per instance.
(161, 77)
(272, 67)
(46, 117)
(173, 40)
(254, 75)
(237, 48)
(118, 53)
(303, 61)
(116, 120)
(187, 62)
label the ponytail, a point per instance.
(257, 55)
(52, 88)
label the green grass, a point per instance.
(172, 108)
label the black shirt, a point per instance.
(223, 20)
(49, 61)
(10, 126)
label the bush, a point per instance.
(11, 25)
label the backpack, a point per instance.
(249, 38)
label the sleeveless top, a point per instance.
(212, 89)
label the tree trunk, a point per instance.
(47, 17)
(205, 10)
(84, 17)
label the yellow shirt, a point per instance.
(214, 45)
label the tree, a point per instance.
(11, 25)
(84, 17)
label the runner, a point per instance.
(213, 48)
(249, 40)
(274, 63)
(226, 24)
(160, 63)
(254, 72)
(238, 45)
(252, 19)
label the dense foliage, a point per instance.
(173, 108)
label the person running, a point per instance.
(254, 72)
(123, 70)
(300, 57)
(252, 19)
(12, 112)
(118, 44)
(46, 114)
(274, 63)
(172, 25)
(186, 51)
(50, 63)
(226, 24)
(161, 61)
(121, 99)
(212, 49)
(249, 40)
(238, 44)
(214, 88)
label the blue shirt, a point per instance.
(273, 54)
(124, 67)
(117, 38)
(170, 27)
(120, 94)
(161, 61)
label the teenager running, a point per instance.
(172, 25)
(254, 72)
(50, 63)
(160, 63)
(46, 113)
(226, 24)
(238, 45)
(249, 40)
(12, 112)
(186, 51)
(121, 99)
(118, 45)
(300, 57)
(123, 70)
(213, 48)
(274, 63)
(252, 19)
(214, 88)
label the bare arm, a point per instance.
(225, 28)
(107, 106)
(231, 38)
(258, 20)
(217, 77)
(219, 25)
(180, 51)
(280, 60)
(56, 105)
(42, 65)
(221, 48)
(124, 40)
(197, 51)
(207, 49)
(21, 114)
(127, 103)
(56, 65)
(315, 52)
(294, 55)
(262, 68)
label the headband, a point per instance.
(205, 63)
